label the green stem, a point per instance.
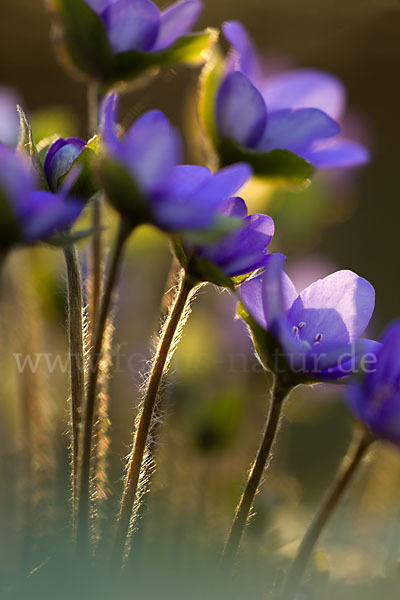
(76, 350)
(96, 247)
(344, 476)
(96, 261)
(113, 273)
(278, 396)
(161, 360)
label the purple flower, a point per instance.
(144, 181)
(9, 119)
(29, 215)
(375, 397)
(295, 110)
(140, 25)
(317, 330)
(60, 159)
(243, 250)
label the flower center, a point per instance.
(296, 331)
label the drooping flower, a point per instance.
(9, 119)
(145, 182)
(60, 158)
(295, 111)
(238, 252)
(375, 396)
(28, 215)
(313, 335)
(140, 25)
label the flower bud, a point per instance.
(60, 159)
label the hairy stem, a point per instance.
(77, 360)
(113, 272)
(348, 468)
(96, 246)
(149, 463)
(279, 393)
(162, 357)
(96, 261)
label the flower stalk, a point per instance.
(344, 476)
(163, 355)
(280, 392)
(77, 360)
(96, 246)
(99, 330)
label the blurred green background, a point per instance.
(216, 402)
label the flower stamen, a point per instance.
(318, 339)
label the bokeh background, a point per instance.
(216, 400)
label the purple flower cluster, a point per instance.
(243, 250)
(375, 396)
(140, 25)
(316, 332)
(28, 214)
(297, 110)
(173, 196)
(279, 126)
(181, 198)
(311, 336)
(314, 336)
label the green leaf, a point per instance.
(239, 279)
(179, 251)
(222, 227)
(81, 39)
(95, 144)
(281, 166)
(200, 269)
(189, 49)
(205, 270)
(271, 354)
(27, 140)
(43, 146)
(265, 344)
(209, 83)
(193, 48)
(122, 192)
(87, 183)
(72, 237)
